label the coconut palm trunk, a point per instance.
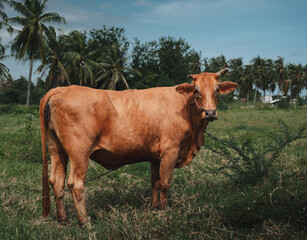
(30, 78)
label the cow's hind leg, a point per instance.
(58, 174)
(77, 175)
(155, 184)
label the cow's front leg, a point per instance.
(167, 166)
(155, 184)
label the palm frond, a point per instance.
(21, 8)
(52, 17)
(124, 80)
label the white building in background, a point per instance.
(266, 99)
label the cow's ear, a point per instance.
(186, 89)
(227, 87)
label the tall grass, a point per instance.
(201, 206)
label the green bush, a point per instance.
(283, 103)
(244, 164)
(17, 93)
(252, 206)
(225, 100)
(19, 109)
(301, 101)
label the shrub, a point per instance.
(242, 163)
(283, 103)
(225, 100)
(19, 109)
(301, 101)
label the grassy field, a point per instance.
(202, 204)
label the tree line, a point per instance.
(104, 58)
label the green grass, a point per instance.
(201, 205)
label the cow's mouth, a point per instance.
(210, 119)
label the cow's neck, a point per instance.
(194, 114)
(197, 131)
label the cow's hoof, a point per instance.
(63, 222)
(83, 224)
(155, 206)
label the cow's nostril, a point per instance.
(210, 114)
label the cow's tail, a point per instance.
(46, 197)
(44, 112)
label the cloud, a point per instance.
(106, 5)
(142, 3)
(86, 16)
(181, 11)
(177, 12)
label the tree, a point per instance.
(54, 62)
(3, 16)
(297, 78)
(2, 13)
(215, 64)
(4, 71)
(114, 62)
(105, 37)
(246, 81)
(173, 56)
(236, 69)
(80, 58)
(259, 72)
(195, 63)
(305, 77)
(269, 75)
(281, 74)
(144, 59)
(29, 42)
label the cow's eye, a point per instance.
(217, 90)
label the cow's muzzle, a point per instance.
(210, 115)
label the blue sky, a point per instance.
(235, 28)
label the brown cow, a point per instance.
(163, 125)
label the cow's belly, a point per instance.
(110, 160)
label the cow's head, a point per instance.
(205, 89)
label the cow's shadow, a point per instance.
(105, 200)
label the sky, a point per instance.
(234, 28)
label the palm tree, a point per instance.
(4, 71)
(246, 81)
(305, 77)
(259, 72)
(236, 69)
(54, 62)
(281, 74)
(195, 63)
(215, 64)
(2, 13)
(269, 75)
(3, 16)
(80, 58)
(114, 63)
(29, 42)
(297, 78)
